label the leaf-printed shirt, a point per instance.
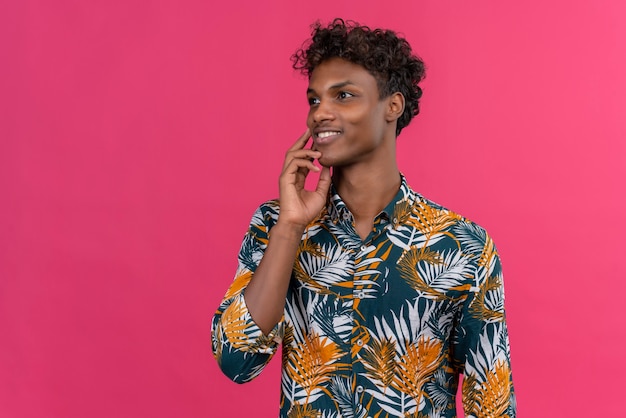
(379, 327)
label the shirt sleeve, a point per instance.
(239, 346)
(482, 343)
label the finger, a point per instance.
(323, 183)
(301, 142)
(298, 164)
(295, 174)
(304, 154)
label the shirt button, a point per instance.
(359, 389)
(359, 343)
(360, 294)
(395, 221)
(363, 247)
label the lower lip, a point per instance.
(325, 140)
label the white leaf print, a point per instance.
(453, 271)
(334, 267)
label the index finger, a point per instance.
(301, 142)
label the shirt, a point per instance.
(380, 327)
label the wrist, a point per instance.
(287, 229)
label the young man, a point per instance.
(380, 297)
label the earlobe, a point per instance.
(395, 107)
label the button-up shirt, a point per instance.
(380, 327)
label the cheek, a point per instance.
(309, 120)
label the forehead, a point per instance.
(337, 71)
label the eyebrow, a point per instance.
(334, 86)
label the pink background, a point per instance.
(137, 138)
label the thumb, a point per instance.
(323, 183)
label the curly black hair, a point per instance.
(386, 56)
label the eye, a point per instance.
(313, 101)
(344, 95)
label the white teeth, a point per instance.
(327, 134)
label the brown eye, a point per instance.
(313, 101)
(344, 95)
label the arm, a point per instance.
(482, 346)
(246, 328)
(265, 296)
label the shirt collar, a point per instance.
(405, 197)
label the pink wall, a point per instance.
(136, 139)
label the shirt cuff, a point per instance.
(252, 339)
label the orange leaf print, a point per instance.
(493, 395)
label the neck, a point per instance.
(366, 190)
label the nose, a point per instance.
(322, 112)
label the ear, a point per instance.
(395, 106)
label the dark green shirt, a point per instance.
(380, 327)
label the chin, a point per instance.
(326, 162)
(331, 162)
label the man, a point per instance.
(380, 297)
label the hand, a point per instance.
(298, 207)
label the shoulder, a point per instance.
(471, 238)
(266, 214)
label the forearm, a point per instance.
(265, 294)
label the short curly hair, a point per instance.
(388, 57)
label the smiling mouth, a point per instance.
(327, 136)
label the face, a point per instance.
(348, 121)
